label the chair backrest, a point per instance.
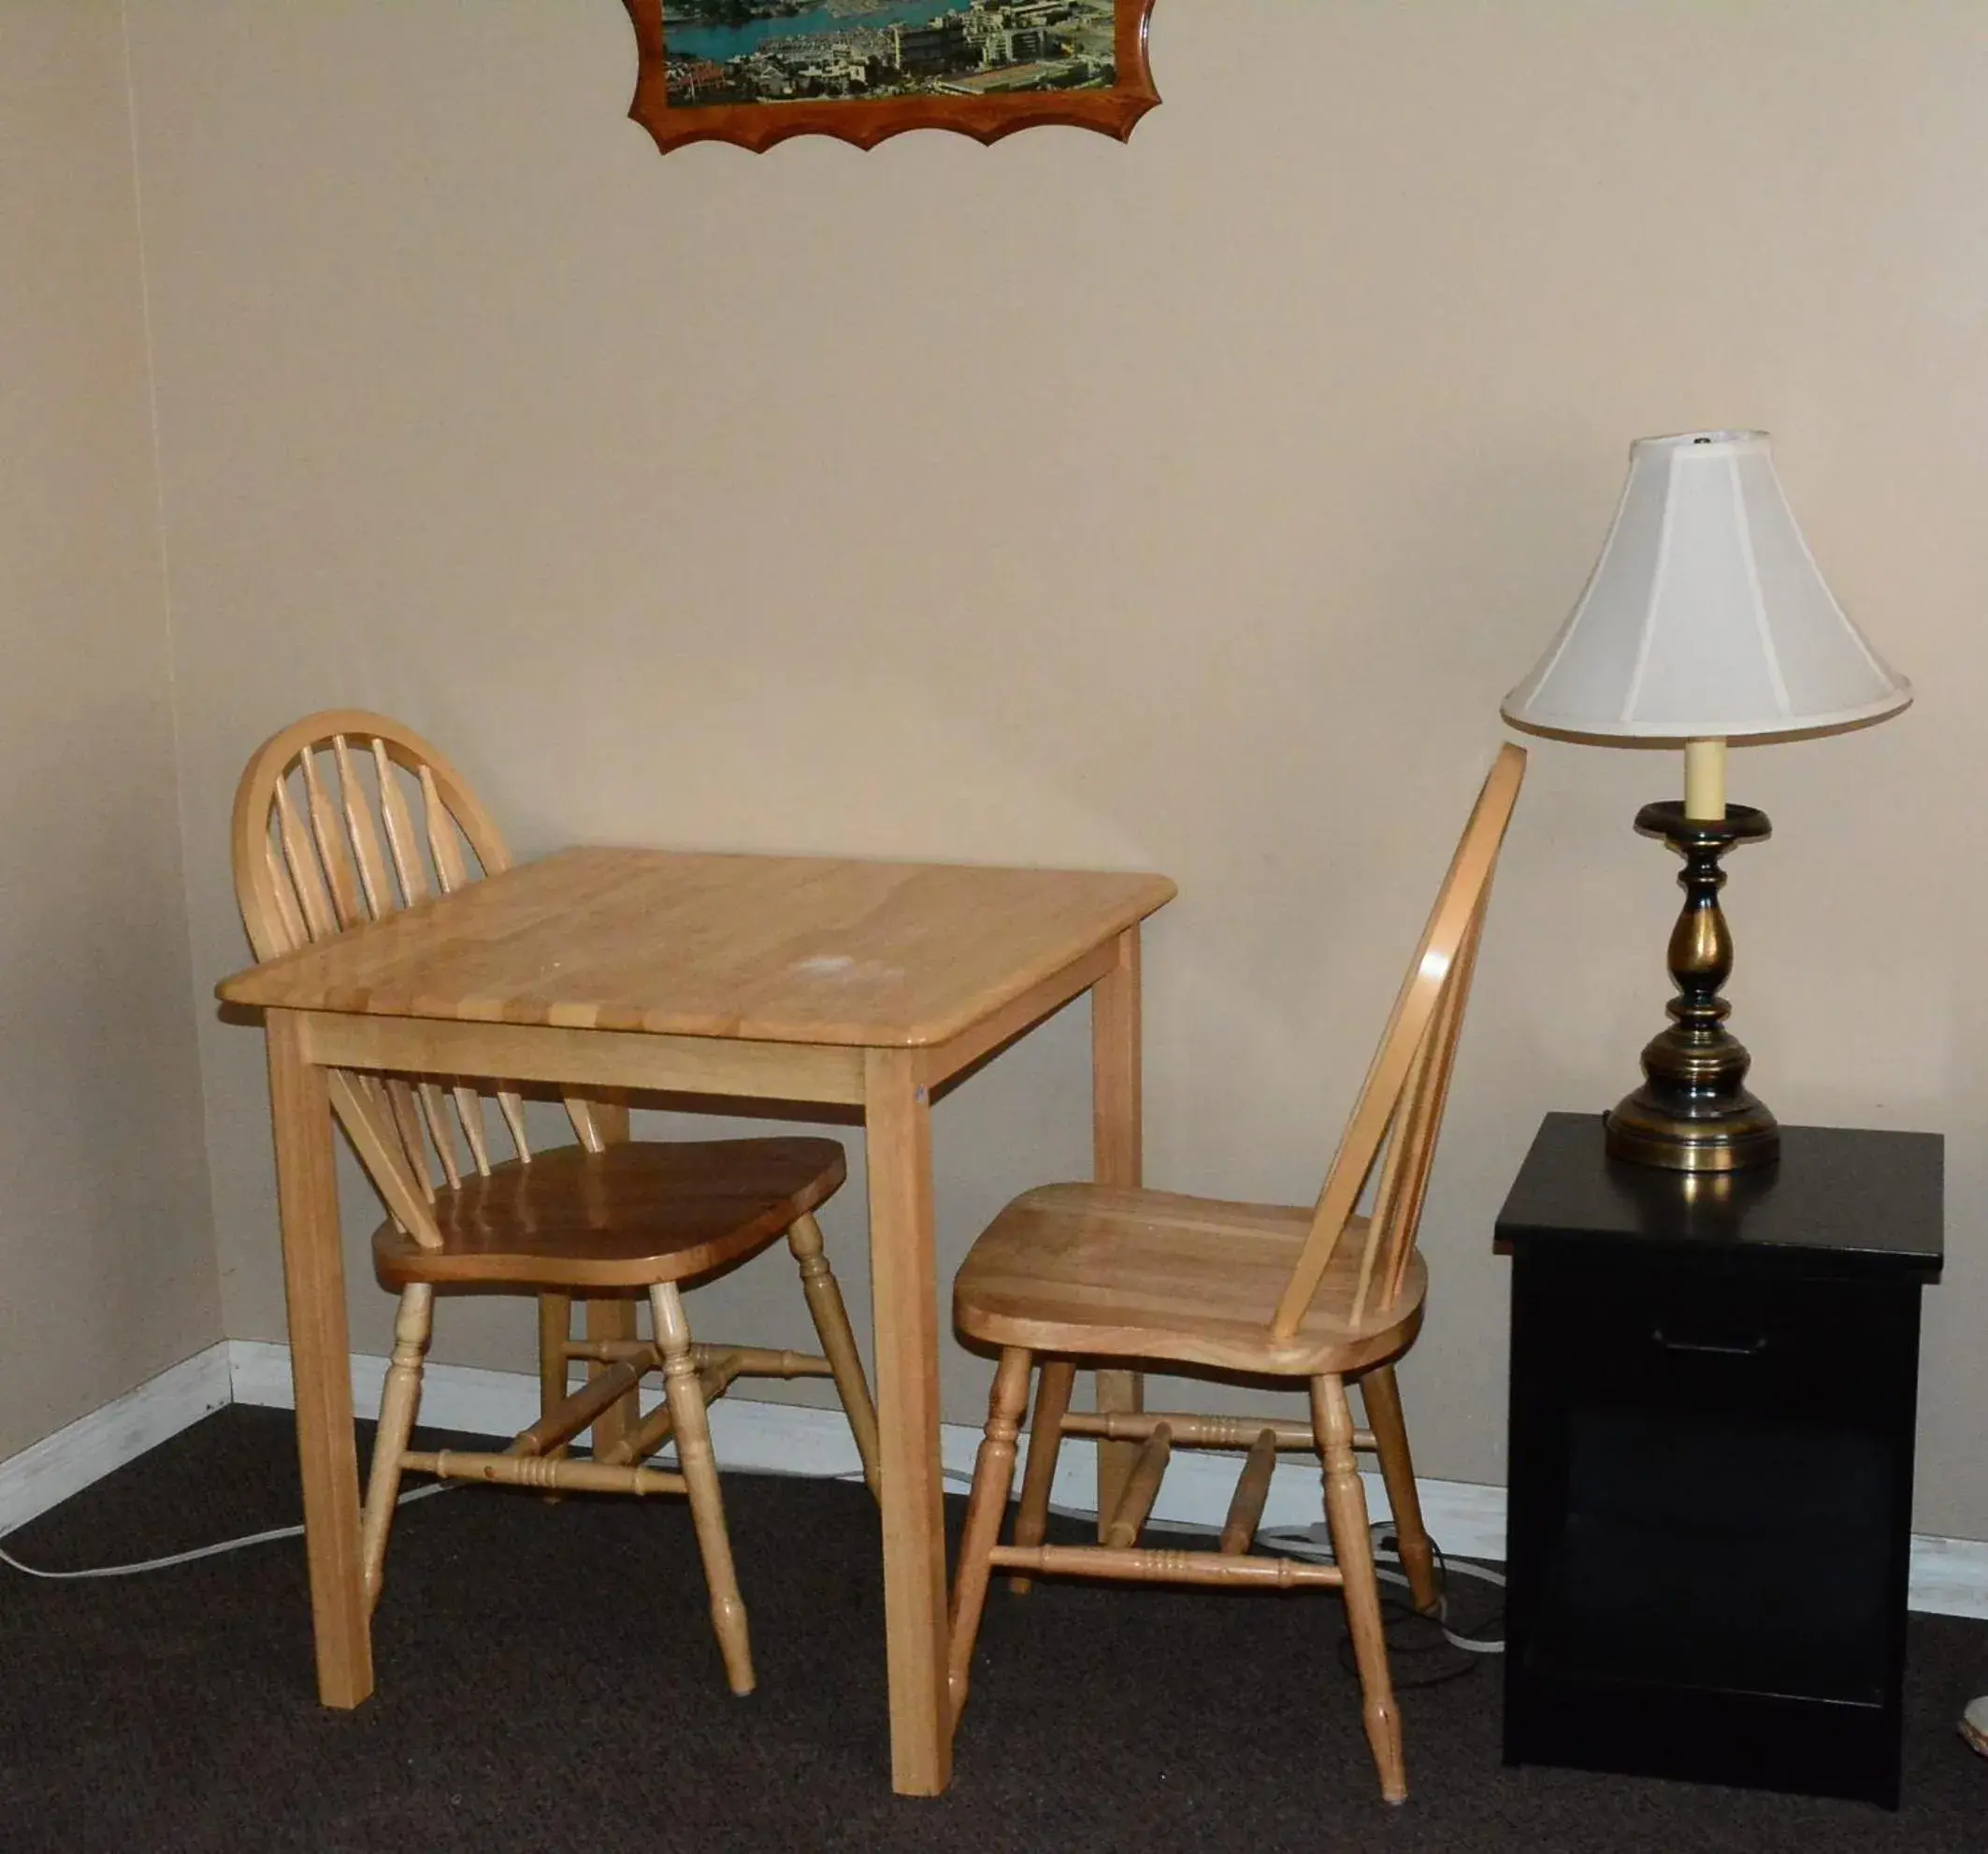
(341, 819)
(1401, 1104)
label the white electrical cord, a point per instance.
(1291, 1543)
(276, 1533)
(199, 1551)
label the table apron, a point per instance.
(938, 1062)
(579, 1060)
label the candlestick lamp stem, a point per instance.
(1694, 1112)
(1705, 779)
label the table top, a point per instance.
(781, 949)
(1860, 1201)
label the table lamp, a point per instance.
(1704, 621)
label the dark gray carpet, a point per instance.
(547, 1681)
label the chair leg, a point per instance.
(399, 1398)
(1345, 1513)
(993, 1473)
(837, 1342)
(700, 1470)
(1382, 1397)
(1045, 1438)
(555, 1326)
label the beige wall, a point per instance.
(1185, 505)
(106, 1261)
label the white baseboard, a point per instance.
(89, 1448)
(798, 1439)
(1949, 1577)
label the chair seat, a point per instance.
(1102, 1271)
(639, 1214)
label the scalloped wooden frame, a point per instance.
(758, 125)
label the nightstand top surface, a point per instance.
(1853, 1200)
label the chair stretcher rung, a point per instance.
(760, 1361)
(1196, 1432)
(533, 1470)
(1142, 1566)
(656, 1427)
(1141, 1487)
(754, 1360)
(614, 1351)
(1246, 1509)
(566, 1421)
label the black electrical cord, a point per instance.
(1414, 1639)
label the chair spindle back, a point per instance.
(1400, 1107)
(342, 818)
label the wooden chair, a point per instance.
(1318, 1295)
(340, 819)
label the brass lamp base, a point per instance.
(1641, 1132)
(1693, 1112)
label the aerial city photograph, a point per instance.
(724, 51)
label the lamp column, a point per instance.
(1694, 1112)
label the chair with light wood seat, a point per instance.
(346, 816)
(1318, 1295)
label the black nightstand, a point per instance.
(1714, 1383)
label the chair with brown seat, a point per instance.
(340, 819)
(1318, 1295)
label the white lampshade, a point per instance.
(1704, 617)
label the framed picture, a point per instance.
(755, 72)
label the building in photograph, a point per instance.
(935, 50)
(967, 47)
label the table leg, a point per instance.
(1115, 1098)
(321, 1365)
(904, 1296)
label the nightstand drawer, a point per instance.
(1781, 1347)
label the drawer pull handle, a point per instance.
(1749, 1348)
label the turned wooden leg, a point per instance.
(699, 1468)
(1382, 1397)
(1046, 1437)
(611, 1317)
(1346, 1514)
(993, 1474)
(398, 1399)
(837, 1342)
(555, 1326)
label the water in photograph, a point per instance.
(721, 43)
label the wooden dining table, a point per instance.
(679, 977)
